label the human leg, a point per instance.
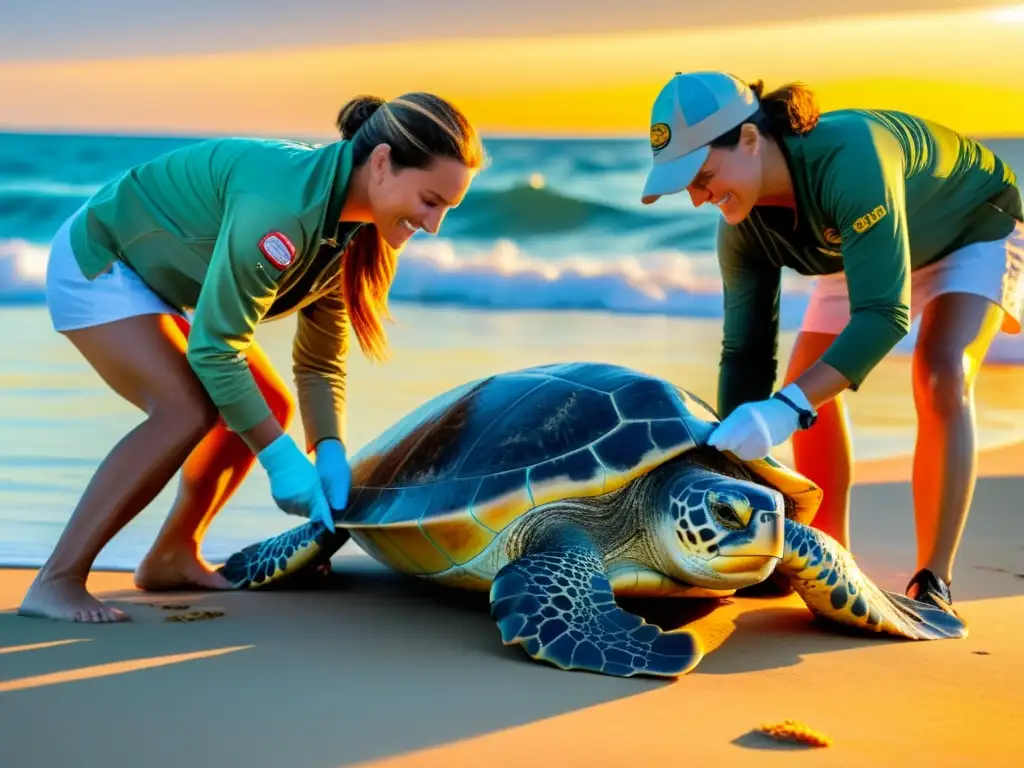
(956, 332)
(142, 358)
(967, 298)
(824, 452)
(210, 476)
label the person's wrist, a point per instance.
(795, 394)
(796, 402)
(330, 445)
(276, 453)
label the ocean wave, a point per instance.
(505, 278)
(533, 209)
(519, 212)
(22, 272)
(16, 188)
(436, 271)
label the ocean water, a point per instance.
(550, 257)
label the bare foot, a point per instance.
(177, 569)
(66, 599)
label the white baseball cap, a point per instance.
(692, 110)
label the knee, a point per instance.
(941, 384)
(188, 418)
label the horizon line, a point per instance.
(112, 133)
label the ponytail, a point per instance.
(356, 113)
(790, 109)
(367, 272)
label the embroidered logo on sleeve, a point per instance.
(278, 249)
(868, 220)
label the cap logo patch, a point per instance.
(278, 249)
(661, 134)
(832, 236)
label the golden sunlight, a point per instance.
(112, 668)
(959, 68)
(1007, 15)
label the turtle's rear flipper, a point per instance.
(555, 601)
(287, 555)
(828, 579)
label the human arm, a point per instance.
(319, 357)
(750, 327)
(256, 244)
(240, 284)
(864, 193)
(319, 364)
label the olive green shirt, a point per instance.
(878, 195)
(238, 231)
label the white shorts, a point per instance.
(994, 270)
(76, 302)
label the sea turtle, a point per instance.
(560, 487)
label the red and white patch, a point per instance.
(278, 249)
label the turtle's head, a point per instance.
(724, 533)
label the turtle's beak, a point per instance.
(760, 542)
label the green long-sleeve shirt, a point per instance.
(238, 231)
(878, 195)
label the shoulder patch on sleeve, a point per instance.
(868, 220)
(278, 249)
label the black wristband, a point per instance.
(806, 418)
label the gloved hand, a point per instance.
(335, 475)
(294, 482)
(752, 430)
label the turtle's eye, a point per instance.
(726, 515)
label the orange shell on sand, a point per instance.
(791, 730)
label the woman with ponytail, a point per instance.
(899, 217)
(160, 280)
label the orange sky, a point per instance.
(965, 69)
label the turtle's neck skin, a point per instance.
(622, 524)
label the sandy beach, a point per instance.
(374, 669)
(378, 670)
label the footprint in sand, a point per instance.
(196, 616)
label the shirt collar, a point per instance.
(792, 147)
(339, 192)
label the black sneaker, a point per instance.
(926, 587)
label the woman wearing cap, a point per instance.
(900, 217)
(237, 231)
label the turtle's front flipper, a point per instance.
(555, 601)
(825, 575)
(286, 554)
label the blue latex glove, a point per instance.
(752, 430)
(335, 475)
(294, 482)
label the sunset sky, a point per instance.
(549, 67)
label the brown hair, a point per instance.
(791, 109)
(419, 128)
